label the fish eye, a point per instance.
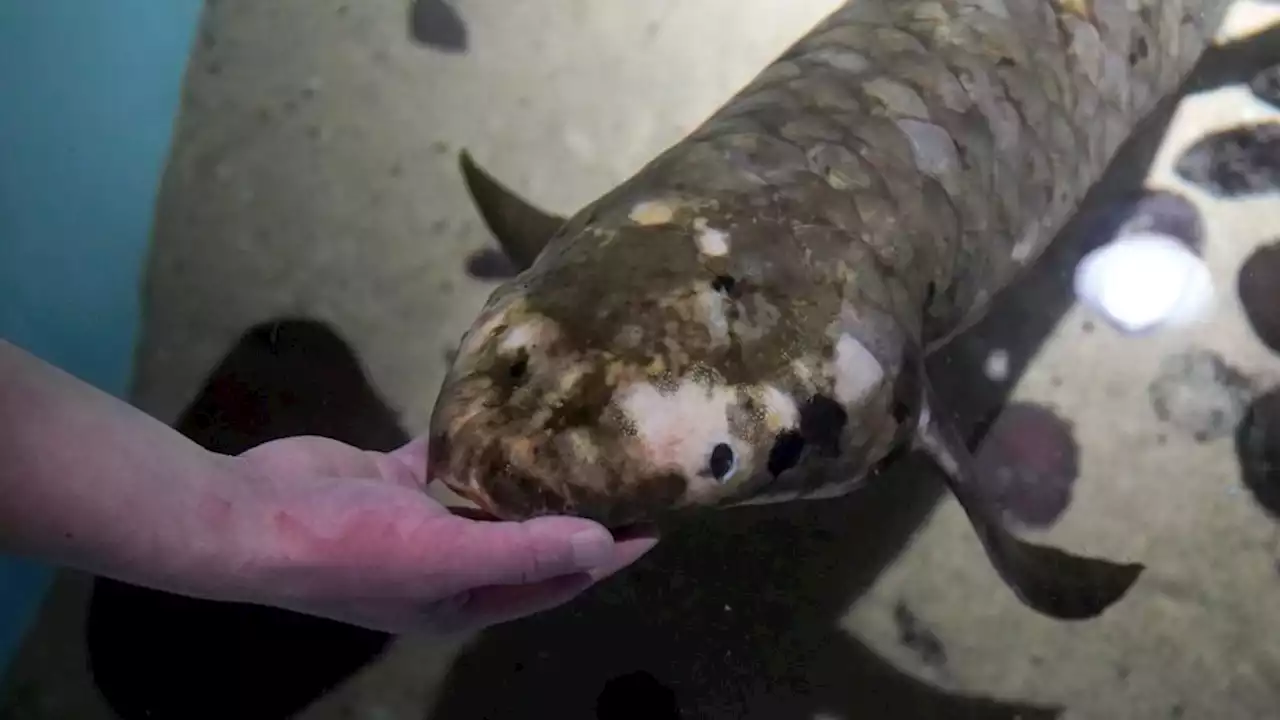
(723, 462)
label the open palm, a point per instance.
(350, 535)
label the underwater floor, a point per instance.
(316, 259)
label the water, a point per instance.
(331, 204)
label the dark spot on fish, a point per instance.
(1258, 451)
(915, 636)
(1087, 327)
(723, 284)
(436, 24)
(1122, 672)
(1177, 711)
(1005, 62)
(439, 147)
(1258, 287)
(721, 462)
(1235, 163)
(1199, 393)
(450, 355)
(786, 451)
(1140, 51)
(636, 695)
(1028, 464)
(822, 422)
(519, 367)
(1265, 85)
(490, 264)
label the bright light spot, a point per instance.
(1144, 282)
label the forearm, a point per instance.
(90, 482)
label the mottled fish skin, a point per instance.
(771, 282)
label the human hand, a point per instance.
(351, 535)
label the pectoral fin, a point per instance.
(520, 228)
(1053, 582)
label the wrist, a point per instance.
(188, 536)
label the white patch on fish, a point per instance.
(651, 212)
(781, 408)
(932, 147)
(856, 370)
(802, 372)
(711, 303)
(518, 337)
(479, 334)
(579, 443)
(679, 429)
(712, 242)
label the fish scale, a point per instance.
(744, 320)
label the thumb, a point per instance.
(520, 553)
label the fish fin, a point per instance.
(521, 228)
(1053, 582)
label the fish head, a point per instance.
(618, 378)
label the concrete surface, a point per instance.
(88, 97)
(314, 175)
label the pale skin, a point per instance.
(306, 523)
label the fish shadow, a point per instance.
(156, 655)
(736, 612)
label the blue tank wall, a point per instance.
(89, 91)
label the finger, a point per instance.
(476, 554)
(625, 553)
(498, 604)
(412, 457)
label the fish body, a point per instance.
(745, 319)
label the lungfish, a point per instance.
(745, 319)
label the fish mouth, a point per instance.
(478, 470)
(475, 465)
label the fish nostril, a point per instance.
(519, 368)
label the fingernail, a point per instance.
(591, 548)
